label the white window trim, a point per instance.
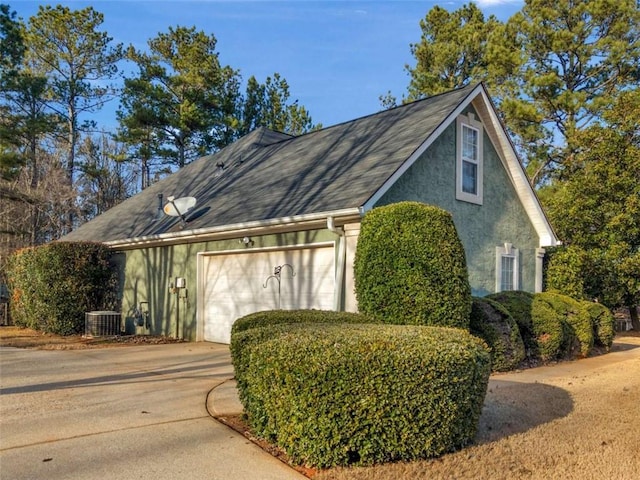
(507, 250)
(469, 121)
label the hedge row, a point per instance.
(556, 326)
(52, 286)
(335, 388)
(341, 394)
(603, 323)
(494, 324)
(519, 304)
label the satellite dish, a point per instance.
(177, 207)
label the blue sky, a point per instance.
(337, 56)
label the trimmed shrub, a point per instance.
(23, 302)
(276, 317)
(519, 303)
(52, 286)
(564, 272)
(250, 330)
(332, 394)
(603, 323)
(493, 323)
(551, 324)
(577, 329)
(410, 267)
(548, 329)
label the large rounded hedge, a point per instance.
(495, 325)
(410, 267)
(275, 317)
(53, 285)
(249, 330)
(336, 394)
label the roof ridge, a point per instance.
(470, 87)
(423, 100)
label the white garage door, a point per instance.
(237, 284)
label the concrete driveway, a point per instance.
(121, 413)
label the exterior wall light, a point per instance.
(247, 241)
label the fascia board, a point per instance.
(517, 175)
(261, 227)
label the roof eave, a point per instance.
(223, 232)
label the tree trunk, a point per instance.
(181, 153)
(35, 179)
(146, 174)
(33, 156)
(635, 321)
(35, 225)
(71, 138)
(71, 163)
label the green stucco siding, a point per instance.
(501, 218)
(149, 272)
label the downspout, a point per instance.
(342, 259)
(539, 282)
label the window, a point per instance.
(506, 275)
(469, 159)
(507, 268)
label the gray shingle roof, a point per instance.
(270, 175)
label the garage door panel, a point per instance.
(229, 294)
(237, 284)
(313, 285)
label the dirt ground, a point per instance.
(12, 336)
(570, 420)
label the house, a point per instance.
(277, 217)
